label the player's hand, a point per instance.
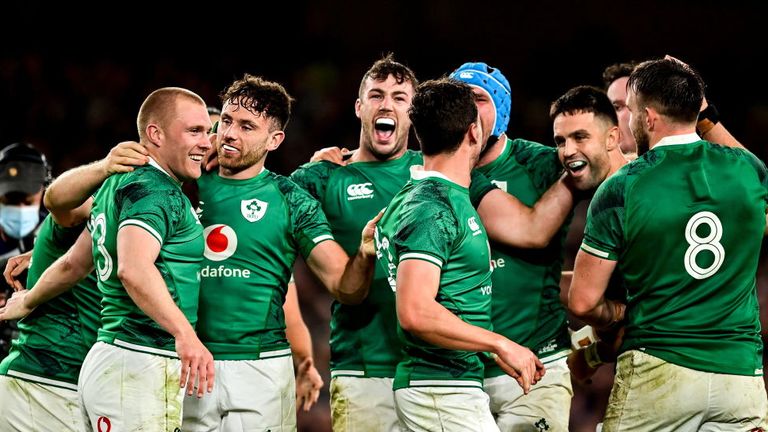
(14, 267)
(520, 363)
(580, 369)
(124, 157)
(196, 365)
(15, 308)
(610, 343)
(308, 384)
(332, 154)
(367, 242)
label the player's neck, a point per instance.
(245, 174)
(616, 160)
(456, 166)
(364, 154)
(493, 151)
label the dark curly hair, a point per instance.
(385, 67)
(441, 112)
(261, 97)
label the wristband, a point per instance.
(591, 357)
(708, 118)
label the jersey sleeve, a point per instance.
(308, 222)
(479, 186)
(760, 168)
(428, 228)
(541, 162)
(313, 177)
(156, 211)
(604, 230)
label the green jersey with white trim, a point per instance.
(364, 340)
(432, 220)
(54, 339)
(253, 230)
(150, 199)
(526, 282)
(685, 222)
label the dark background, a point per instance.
(72, 86)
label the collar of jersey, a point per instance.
(418, 173)
(154, 163)
(678, 139)
(255, 178)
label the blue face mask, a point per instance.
(18, 221)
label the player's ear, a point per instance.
(275, 139)
(612, 138)
(154, 134)
(357, 107)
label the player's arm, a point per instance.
(347, 279)
(339, 156)
(586, 297)
(308, 380)
(137, 251)
(62, 275)
(509, 221)
(421, 315)
(68, 198)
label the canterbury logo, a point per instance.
(359, 191)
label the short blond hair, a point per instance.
(160, 106)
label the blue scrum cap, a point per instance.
(496, 84)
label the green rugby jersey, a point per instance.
(364, 340)
(685, 222)
(432, 219)
(54, 339)
(151, 199)
(253, 230)
(526, 306)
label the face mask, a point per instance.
(18, 221)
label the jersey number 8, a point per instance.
(698, 244)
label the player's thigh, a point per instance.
(363, 404)
(129, 390)
(258, 395)
(546, 407)
(739, 403)
(445, 409)
(31, 406)
(650, 394)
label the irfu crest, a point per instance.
(253, 210)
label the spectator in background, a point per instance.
(24, 173)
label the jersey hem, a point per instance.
(41, 380)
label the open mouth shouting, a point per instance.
(384, 128)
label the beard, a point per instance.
(642, 139)
(242, 162)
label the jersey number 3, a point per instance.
(99, 233)
(698, 244)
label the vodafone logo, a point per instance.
(220, 242)
(103, 424)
